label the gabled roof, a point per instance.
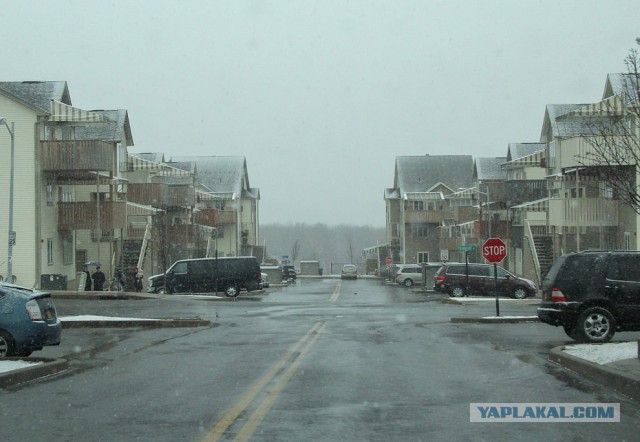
(559, 127)
(421, 173)
(222, 174)
(519, 150)
(117, 123)
(488, 169)
(37, 94)
(625, 85)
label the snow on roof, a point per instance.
(520, 150)
(115, 126)
(220, 174)
(488, 169)
(38, 94)
(420, 173)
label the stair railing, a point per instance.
(145, 243)
(534, 251)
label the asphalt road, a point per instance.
(320, 360)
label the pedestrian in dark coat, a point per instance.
(98, 280)
(87, 281)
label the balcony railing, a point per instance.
(77, 156)
(215, 217)
(181, 196)
(149, 194)
(423, 217)
(583, 212)
(160, 194)
(84, 215)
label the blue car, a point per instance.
(28, 321)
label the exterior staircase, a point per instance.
(131, 249)
(544, 250)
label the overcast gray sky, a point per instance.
(321, 96)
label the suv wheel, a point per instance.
(596, 324)
(408, 282)
(457, 291)
(231, 291)
(519, 293)
(572, 331)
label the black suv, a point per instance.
(593, 294)
(206, 275)
(459, 279)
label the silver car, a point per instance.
(409, 274)
(349, 271)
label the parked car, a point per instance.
(349, 271)
(460, 279)
(409, 274)
(205, 275)
(593, 294)
(264, 280)
(28, 321)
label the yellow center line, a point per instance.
(246, 399)
(336, 293)
(252, 423)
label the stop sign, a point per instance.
(494, 250)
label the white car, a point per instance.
(264, 280)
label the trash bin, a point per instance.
(53, 282)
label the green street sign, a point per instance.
(467, 248)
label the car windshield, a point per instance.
(279, 220)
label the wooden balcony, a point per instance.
(83, 215)
(180, 234)
(583, 212)
(74, 157)
(423, 217)
(149, 194)
(215, 217)
(160, 195)
(181, 196)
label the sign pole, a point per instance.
(495, 287)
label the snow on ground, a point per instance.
(604, 353)
(15, 365)
(98, 318)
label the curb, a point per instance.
(157, 323)
(466, 301)
(496, 320)
(615, 379)
(47, 368)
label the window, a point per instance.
(49, 251)
(417, 205)
(67, 248)
(49, 195)
(624, 268)
(423, 257)
(179, 268)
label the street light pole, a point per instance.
(12, 234)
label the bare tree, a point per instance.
(611, 131)
(350, 251)
(295, 251)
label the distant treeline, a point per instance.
(337, 245)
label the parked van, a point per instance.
(207, 275)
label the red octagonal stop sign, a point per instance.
(494, 250)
